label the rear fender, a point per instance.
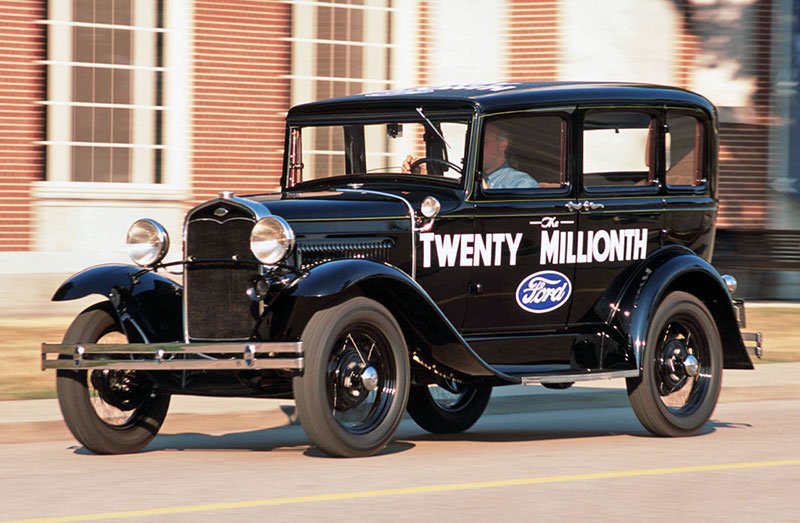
(425, 327)
(669, 271)
(149, 306)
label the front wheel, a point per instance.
(108, 411)
(681, 377)
(449, 407)
(354, 388)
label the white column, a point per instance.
(304, 59)
(144, 92)
(59, 90)
(178, 44)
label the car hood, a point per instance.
(335, 205)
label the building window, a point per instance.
(339, 48)
(105, 78)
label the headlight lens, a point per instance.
(430, 207)
(271, 240)
(148, 242)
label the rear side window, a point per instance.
(684, 148)
(618, 149)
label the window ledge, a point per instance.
(103, 191)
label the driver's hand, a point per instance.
(419, 169)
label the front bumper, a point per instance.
(175, 356)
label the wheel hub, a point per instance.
(119, 389)
(677, 365)
(354, 380)
(691, 365)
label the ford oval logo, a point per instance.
(543, 291)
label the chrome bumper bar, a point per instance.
(752, 340)
(756, 339)
(174, 356)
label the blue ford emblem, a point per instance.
(543, 291)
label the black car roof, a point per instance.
(508, 95)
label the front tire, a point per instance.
(681, 377)
(354, 388)
(448, 408)
(108, 411)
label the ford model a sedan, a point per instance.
(427, 245)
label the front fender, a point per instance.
(149, 306)
(677, 270)
(425, 326)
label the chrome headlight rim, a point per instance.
(160, 245)
(282, 246)
(430, 207)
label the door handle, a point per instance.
(585, 206)
(591, 206)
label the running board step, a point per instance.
(535, 379)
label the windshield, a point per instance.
(425, 148)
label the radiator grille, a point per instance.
(215, 286)
(314, 252)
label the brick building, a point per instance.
(111, 110)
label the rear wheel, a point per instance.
(108, 411)
(449, 407)
(678, 388)
(354, 388)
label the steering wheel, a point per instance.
(422, 160)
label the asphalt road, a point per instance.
(576, 455)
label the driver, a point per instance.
(497, 173)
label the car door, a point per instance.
(521, 278)
(620, 211)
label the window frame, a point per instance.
(656, 152)
(532, 193)
(704, 149)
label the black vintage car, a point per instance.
(427, 245)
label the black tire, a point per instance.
(342, 410)
(449, 408)
(669, 397)
(108, 412)
(558, 386)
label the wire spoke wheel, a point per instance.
(116, 396)
(681, 376)
(682, 366)
(354, 388)
(361, 379)
(108, 411)
(448, 406)
(451, 395)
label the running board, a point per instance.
(535, 379)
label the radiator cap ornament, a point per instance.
(227, 195)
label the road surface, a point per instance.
(575, 455)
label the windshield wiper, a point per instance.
(433, 127)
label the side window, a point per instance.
(684, 148)
(523, 152)
(618, 149)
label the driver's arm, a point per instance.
(419, 169)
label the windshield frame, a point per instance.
(436, 114)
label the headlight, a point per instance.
(148, 242)
(271, 240)
(430, 207)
